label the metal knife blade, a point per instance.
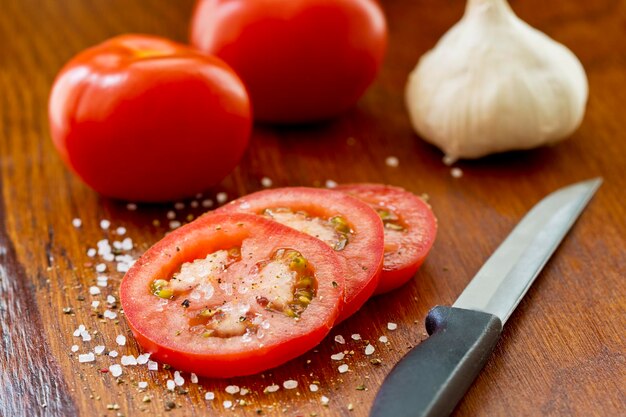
(434, 376)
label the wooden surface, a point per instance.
(562, 352)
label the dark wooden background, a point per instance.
(562, 352)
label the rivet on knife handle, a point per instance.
(433, 377)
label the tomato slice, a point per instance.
(232, 294)
(410, 229)
(346, 224)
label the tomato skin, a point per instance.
(400, 265)
(145, 119)
(285, 339)
(302, 60)
(362, 257)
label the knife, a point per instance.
(432, 378)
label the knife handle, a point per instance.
(432, 378)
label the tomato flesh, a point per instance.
(232, 294)
(349, 226)
(410, 228)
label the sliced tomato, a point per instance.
(346, 224)
(410, 229)
(232, 294)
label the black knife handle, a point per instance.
(432, 378)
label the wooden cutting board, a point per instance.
(562, 352)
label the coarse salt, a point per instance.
(98, 350)
(77, 223)
(175, 224)
(108, 314)
(87, 357)
(85, 336)
(392, 161)
(392, 326)
(74, 348)
(101, 267)
(290, 384)
(108, 257)
(194, 378)
(339, 339)
(153, 366)
(313, 388)
(369, 349)
(120, 339)
(194, 204)
(221, 197)
(142, 385)
(91, 252)
(325, 400)
(128, 360)
(110, 299)
(271, 388)
(95, 304)
(105, 224)
(338, 356)
(113, 353)
(206, 203)
(116, 370)
(244, 391)
(143, 358)
(343, 368)
(81, 328)
(356, 336)
(171, 215)
(227, 404)
(330, 184)
(456, 172)
(266, 182)
(383, 339)
(210, 396)
(127, 243)
(121, 230)
(232, 389)
(178, 379)
(93, 290)
(170, 384)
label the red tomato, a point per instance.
(410, 230)
(346, 224)
(232, 294)
(302, 60)
(143, 118)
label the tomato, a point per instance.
(146, 119)
(232, 294)
(302, 60)
(346, 224)
(410, 230)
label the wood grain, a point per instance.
(562, 352)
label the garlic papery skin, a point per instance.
(493, 84)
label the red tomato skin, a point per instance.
(226, 358)
(399, 269)
(362, 259)
(302, 60)
(145, 119)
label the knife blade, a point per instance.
(431, 379)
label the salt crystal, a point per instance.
(113, 353)
(108, 257)
(313, 388)
(95, 304)
(110, 299)
(209, 396)
(142, 385)
(325, 400)
(120, 339)
(128, 360)
(102, 283)
(392, 161)
(369, 349)
(111, 315)
(179, 205)
(93, 290)
(91, 252)
(290, 384)
(342, 368)
(330, 184)
(383, 339)
(232, 389)
(127, 244)
(171, 215)
(77, 223)
(170, 385)
(456, 172)
(131, 206)
(105, 224)
(194, 378)
(266, 182)
(116, 370)
(85, 336)
(271, 388)
(206, 203)
(221, 197)
(178, 379)
(87, 357)
(143, 358)
(392, 326)
(449, 160)
(175, 224)
(74, 348)
(78, 331)
(227, 404)
(338, 356)
(101, 267)
(356, 336)
(153, 366)
(244, 391)
(121, 230)
(98, 349)
(194, 204)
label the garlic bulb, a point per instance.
(493, 84)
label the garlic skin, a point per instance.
(493, 83)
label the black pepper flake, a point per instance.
(80, 298)
(185, 303)
(335, 285)
(170, 405)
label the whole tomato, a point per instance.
(146, 119)
(302, 60)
